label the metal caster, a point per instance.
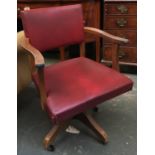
(51, 148)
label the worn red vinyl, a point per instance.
(54, 27)
(76, 85)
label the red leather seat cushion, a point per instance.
(75, 85)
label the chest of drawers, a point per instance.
(120, 18)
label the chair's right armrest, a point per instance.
(24, 43)
(105, 35)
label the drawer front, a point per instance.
(121, 8)
(125, 54)
(131, 35)
(120, 22)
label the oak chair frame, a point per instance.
(37, 61)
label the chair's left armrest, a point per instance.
(25, 44)
(105, 35)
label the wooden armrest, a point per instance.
(24, 43)
(105, 35)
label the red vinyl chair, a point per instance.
(70, 88)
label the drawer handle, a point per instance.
(122, 8)
(121, 54)
(121, 22)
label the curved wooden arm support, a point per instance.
(116, 41)
(105, 35)
(38, 58)
(39, 64)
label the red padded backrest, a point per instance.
(53, 27)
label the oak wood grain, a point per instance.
(23, 66)
(25, 44)
(105, 35)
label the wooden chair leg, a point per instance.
(88, 120)
(51, 136)
(62, 54)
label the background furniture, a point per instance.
(68, 89)
(120, 19)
